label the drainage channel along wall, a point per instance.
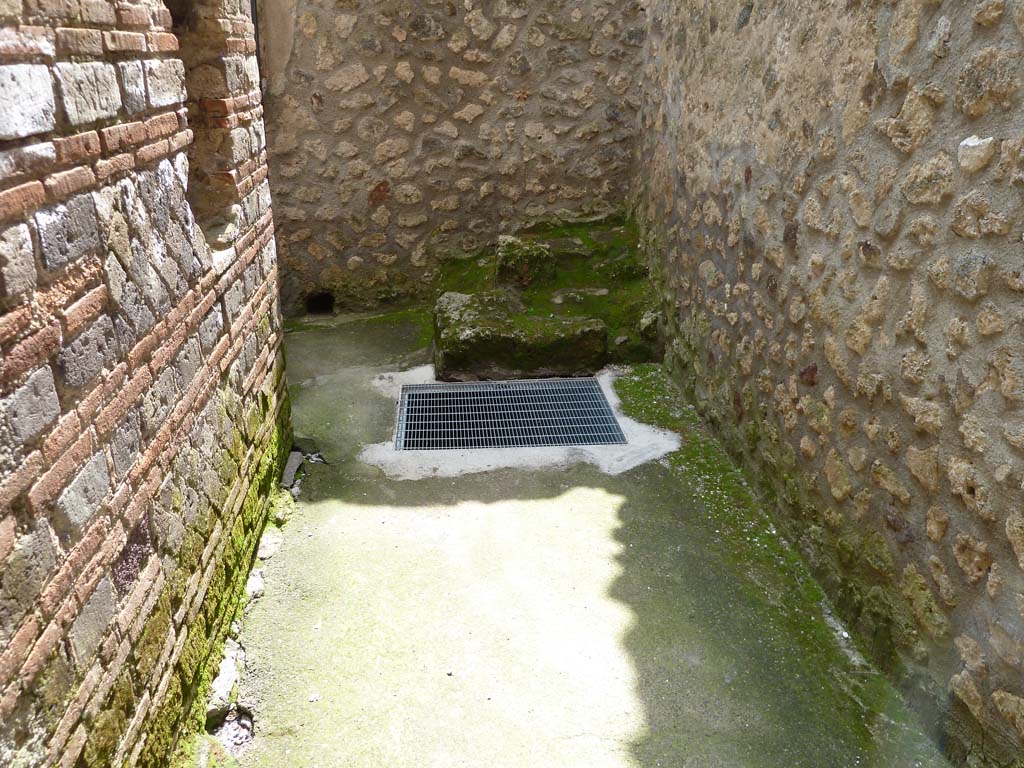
(142, 410)
(841, 262)
(408, 130)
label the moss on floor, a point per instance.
(751, 542)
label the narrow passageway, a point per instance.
(547, 617)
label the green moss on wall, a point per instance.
(857, 571)
(182, 711)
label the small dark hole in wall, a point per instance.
(133, 557)
(321, 303)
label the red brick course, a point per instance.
(63, 165)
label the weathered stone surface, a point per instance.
(987, 81)
(1012, 708)
(88, 629)
(973, 217)
(165, 82)
(32, 407)
(771, 224)
(1015, 533)
(521, 263)
(17, 263)
(87, 354)
(966, 689)
(464, 111)
(98, 243)
(974, 153)
(347, 78)
(930, 182)
(486, 336)
(835, 474)
(924, 466)
(133, 85)
(68, 231)
(27, 95)
(972, 556)
(927, 612)
(81, 499)
(88, 91)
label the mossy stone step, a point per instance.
(486, 336)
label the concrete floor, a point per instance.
(554, 617)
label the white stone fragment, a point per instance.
(255, 586)
(227, 678)
(270, 542)
(975, 153)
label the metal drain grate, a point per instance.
(505, 414)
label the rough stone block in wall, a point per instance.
(17, 268)
(26, 92)
(831, 194)
(88, 90)
(132, 416)
(403, 134)
(165, 81)
(67, 231)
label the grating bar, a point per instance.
(505, 414)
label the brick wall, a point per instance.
(142, 409)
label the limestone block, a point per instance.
(886, 479)
(487, 336)
(165, 81)
(89, 91)
(1010, 707)
(91, 624)
(988, 80)
(87, 354)
(26, 93)
(32, 407)
(133, 86)
(126, 443)
(988, 12)
(971, 274)
(482, 28)
(81, 499)
(972, 556)
(974, 153)
(924, 466)
(930, 182)
(347, 78)
(17, 265)
(68, 231)
(836, 476)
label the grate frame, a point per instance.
(527, 413)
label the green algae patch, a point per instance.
(173, 726)
(486, 336)
(830, 661)
(573, 271)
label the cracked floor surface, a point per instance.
(554, 617)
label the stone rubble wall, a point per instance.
(841, 264)
(143, 417)
(406, 131)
